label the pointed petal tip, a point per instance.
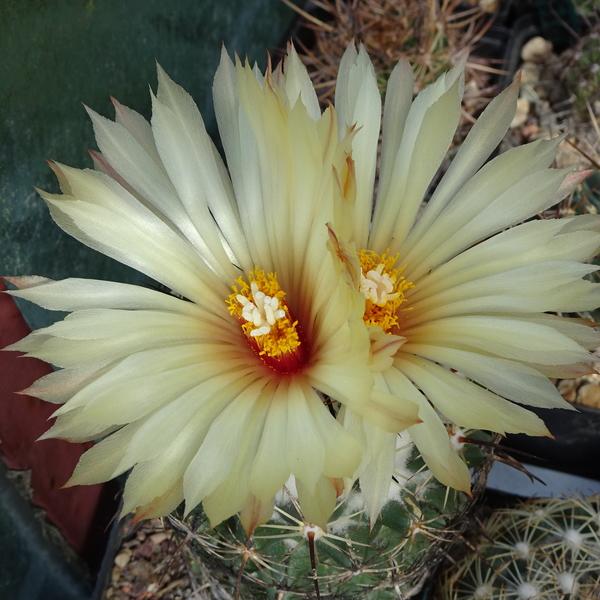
(573, 179)
(47, 435)
(117, 106)
(517, 80)
(11, 279)
(56, 167)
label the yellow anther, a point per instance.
(260, 307)
(384, 288)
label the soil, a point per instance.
(151, 565)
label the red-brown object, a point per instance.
(22, 420)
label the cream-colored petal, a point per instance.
(146, 380)
(398, 100)
(144, 172)
(507, 378)
(186, 420)
(145, 175)
(162, 505)
(457, 230)
(240, 151)
(526, 244)
(377, 466)
(505, 337)
(430, 436)
(465, 403)
(173, 457)
(564, 371)
(580, 330)
(349, 384)
(233, 494)
(138, 127)
(98, 323)
(228, 498)
(75, 428)
(488, 184)
(255, 513)
(550, 286)
(88, 354)
(486, 133)
(145, 244)
(96, 337)
(317, 502)
(208, 175)
(235, 432)
(100, 462)
(188, 155)
(78, 294)
(152, 479)
(342, 452)
(298, 84)
(358, 103)
(390, 412)
(57, 387)
(428, 131)
(305, 446)
(268, 474)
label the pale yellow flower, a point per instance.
(213, 393)
(465, 301)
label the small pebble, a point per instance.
(589, 395)
(521, 114)
(122, 559)
(145, 549)
(536, 50)
(568, 390)
(489, 5)
(159, 538)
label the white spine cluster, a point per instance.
(542, 549)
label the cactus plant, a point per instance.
(542, 549)
(288, 557)
(582, 72)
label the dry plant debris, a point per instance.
(430, 33)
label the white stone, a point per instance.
(536, 50)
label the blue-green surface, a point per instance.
(56, 55)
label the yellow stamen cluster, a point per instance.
(262, 311)
(383, 287)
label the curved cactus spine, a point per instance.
(391, 560)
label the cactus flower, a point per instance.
(211, 391)
(466, 303)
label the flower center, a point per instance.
(383, 287)
(265, 318)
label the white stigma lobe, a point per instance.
(262, 313)
(377, 286)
